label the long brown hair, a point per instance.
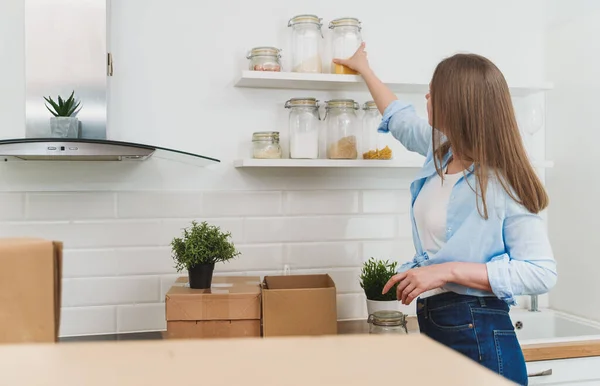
(473, 112)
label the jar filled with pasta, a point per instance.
(265, 59)
(342, 129)
(345, 41)
(306, 43)
(375, 145)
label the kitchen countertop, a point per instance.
(532, 352)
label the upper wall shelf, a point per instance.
(334, 82)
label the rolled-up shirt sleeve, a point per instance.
(528, 266)
(406, 126)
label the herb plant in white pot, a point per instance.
(64, 123)
(201, 246)
(373, 276)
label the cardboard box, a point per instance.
(231, 308)
(30, 283)
(299, 305)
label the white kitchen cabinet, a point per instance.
(578, 371)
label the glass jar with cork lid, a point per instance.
(375, 145)
(342, 129)
(264, 59)
(345, 41)
(306, 43)
(265, 145)
(387, 322)
(304, 122)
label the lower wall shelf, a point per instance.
(323, 163)
(328, 163)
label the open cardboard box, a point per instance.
(299, 305)
(30, 287)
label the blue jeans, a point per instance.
(478, 327)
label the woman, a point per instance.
(475, 208)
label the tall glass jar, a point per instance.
(346, 40)
(387, 322)
(304, 127)
(342, 129)
(375, 145)
(306, 43)
(264, 59)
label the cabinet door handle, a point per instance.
(541, 373)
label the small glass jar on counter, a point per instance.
(342, 129)
(306, 43)
(304, 124)
(375, 145)
(387, 322)
(345, 41)
(265, 59)
(265, 145)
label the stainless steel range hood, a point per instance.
(51, 149)
(66, 50)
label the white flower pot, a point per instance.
(64, 127)
(390, 305)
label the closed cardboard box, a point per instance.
(299, 305)
(231, 308)
(30, 275)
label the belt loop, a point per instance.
(481, 301)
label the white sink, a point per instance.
(552, 326)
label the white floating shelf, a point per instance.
(335, 82)
(328, 163)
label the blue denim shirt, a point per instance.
(512, 242)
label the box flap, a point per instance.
(229, 298)
(30, 275)
(58, 268)
(298, 282)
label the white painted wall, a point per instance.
(573, 134)
(175, 64)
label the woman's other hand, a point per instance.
(357, 62)
(414, 282)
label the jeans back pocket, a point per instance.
(511, 363)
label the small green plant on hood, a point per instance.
(64, 108)
(202, 244)
(374, 275)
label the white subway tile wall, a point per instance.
(118, 264)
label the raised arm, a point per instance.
(399, 118)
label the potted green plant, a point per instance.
(201, 246)
(373, 276)
(64, 123)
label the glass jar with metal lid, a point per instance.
(265, 59)
(345, 41)
(387, 322)
(265, 144)
(306, 43)
(342, 129)
(375, 145)
(304, 124)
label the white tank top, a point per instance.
(430, 211)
